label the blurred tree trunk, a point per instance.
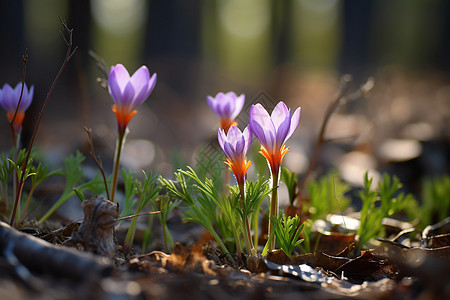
(357, 21)
(173, 41)
(13, 45)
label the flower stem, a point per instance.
(120, 139)
(247, 234)
(255, 221)
(273, 208)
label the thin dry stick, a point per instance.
(339, 101)
(97, 160)
(24, 73)
(15, 135)
(69, 55)
(139, 215)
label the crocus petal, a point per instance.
(220, 97)
(262, 126)
(229, 151)
(222, 138)
(127, 97)
(120, 75)
(234, 135)
(279, 114)
(247, 135)
(238, 105)
(114, 88)
(240, 146)
(294, 122)
(282, 132)
(140, 81)
(224, 110)
(212, 103)
(29, 98)
(18, 89)
(228, 104)
(152, 83)
(9, 102)
(140, 78)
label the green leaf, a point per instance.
(79, 194)
(291, 180)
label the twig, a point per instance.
(24, 73)
(340, 100)
(139, 215)
(69, 54)
(97, 159)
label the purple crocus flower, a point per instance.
(273, 131)
(129, 92)
(235, 145)
(227, 107)
(9, 99)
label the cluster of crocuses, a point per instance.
(128, 92)
(271, 130)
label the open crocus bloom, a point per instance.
(9, 99)
(273, 131)
(227, 107)
(128, 92)
(235, 145)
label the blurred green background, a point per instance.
(294, 50)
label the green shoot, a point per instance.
(129, 182)
(324, 195)
(379, 205)
(203, 201)
(165, 206)
(6, 170)
(435, 201)
(74, 175)
(308, 234)
(254, 194)
(37, 174)
(287, 232)
(147, 234)
(41, 173)
(147, 191)
(291, 180)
